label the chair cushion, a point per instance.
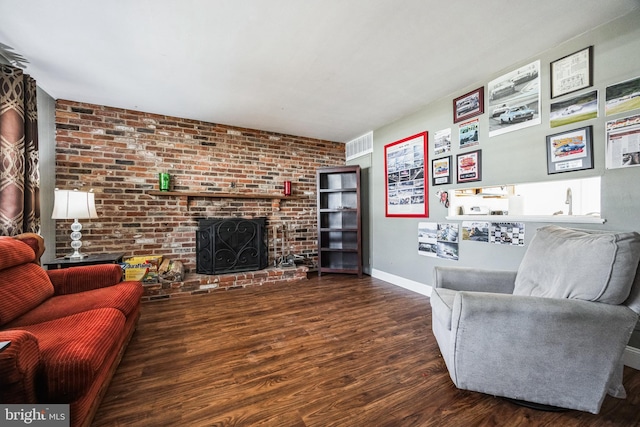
(14, 252)
(33, 243)
(124, 296)
(22, 288)
(580, 264)
(74, 348)
(442, 305)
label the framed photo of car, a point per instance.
(468, 105)
(468, 133)
(570, 151)
(572, 72)
(513, 100)
(441, 171)
(469, 166)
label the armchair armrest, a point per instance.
(539, 349)
(19, 364)
(474, 279)
(84, 278)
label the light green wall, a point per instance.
(514, 157)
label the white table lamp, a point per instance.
(74, 205)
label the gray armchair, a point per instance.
(552, 333)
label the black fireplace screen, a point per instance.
(228, 245)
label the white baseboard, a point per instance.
(411, 285)
(631, 357)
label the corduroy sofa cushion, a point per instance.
(580, 264)
(124, 296)
(14, 252)
(32, 243)
(70, 360)
(84, 278)
(22, 288)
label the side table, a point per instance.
(88, 260)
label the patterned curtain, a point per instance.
(19, 172)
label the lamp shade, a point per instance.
(74, 204)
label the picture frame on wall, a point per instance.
(622, 136)
(468, 105)
(441, 171)
(570, 150)
(514, 100)
(406, 186)
(572, 73)
(622, 97)
(468, 133)
(469, 166)
(575, 109)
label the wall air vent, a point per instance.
(360, 146)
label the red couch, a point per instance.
(68, 328)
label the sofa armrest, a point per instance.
(19, 364)
(474, 279)
(562, 352)
(85, 278)
(35, 241)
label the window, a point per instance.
(576, 200)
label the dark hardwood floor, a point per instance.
(331, 351)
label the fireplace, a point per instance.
(229, 245)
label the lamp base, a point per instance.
(76, 255)
(76, 243)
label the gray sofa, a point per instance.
(553, 332)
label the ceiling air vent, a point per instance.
(360, 146)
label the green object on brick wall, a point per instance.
(164, 180)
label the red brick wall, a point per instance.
(119, 154)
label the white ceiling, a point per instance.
(329, 69)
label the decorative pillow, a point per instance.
(580, 264)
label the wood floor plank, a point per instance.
(332, 351)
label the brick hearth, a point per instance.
(195, 284)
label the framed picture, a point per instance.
(469, 166)
(514, 100)
(622, 150)
(406, 177)
(441, 171)
(442, 141)
(572, 73)
(468, 133)
(622, 97)
(570, 151)
(573, 110)
(468, 105)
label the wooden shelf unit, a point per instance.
(339, 220)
